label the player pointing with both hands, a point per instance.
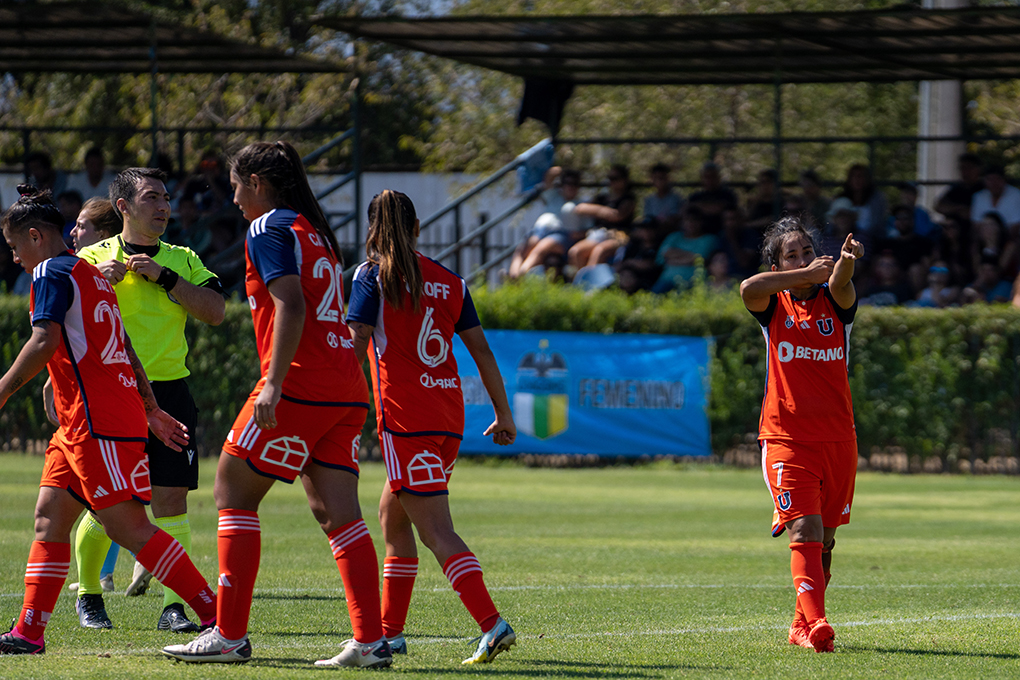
(806, 306)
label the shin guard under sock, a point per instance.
(465, 575)
(359, 569)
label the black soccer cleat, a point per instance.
(175, 620)
(92, 612)
(12, 642)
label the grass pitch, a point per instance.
(644, 572)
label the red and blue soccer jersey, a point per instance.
(94, 386)
(807, 388)
(417, 387)
(324, 370)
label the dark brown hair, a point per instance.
(125, 184)
(772, 242)
(103, 215)
(279, 164)
(391, 245)
(33, 209)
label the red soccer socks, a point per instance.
(165, 558)
(239, 543)
(359, 568)
(465, 575)
(48, 564)
(398, 583)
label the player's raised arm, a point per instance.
(841, 281)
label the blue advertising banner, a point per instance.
(582, 393)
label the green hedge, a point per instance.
(932, 382)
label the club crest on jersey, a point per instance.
(783, 500)
(825, 326)
(789, 321)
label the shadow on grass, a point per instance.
(570, 669)
(927, 652)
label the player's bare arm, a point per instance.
(48, 403)
(289, 300)
(503, 430)
(169, 431)
(361, 333)
(841, 283)
(46, 337)
(205, 304)
(756, 290)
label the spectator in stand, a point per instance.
(209, 187)
(997, 196)
(629, 279)
(939, 293)
(39, 171)
(888, 286)
(761, 205)
(612, 212)
(713, 198)
(840, 221)
(189, 230)
(663, 206)
(815, 203)
(639, 257)
(992, 238)
(868, 202)
(718, 269)
(94, 182)
(680, 252)
(954, 248)
(742, 245)
(557, 228)
(70, 203)
(10, 271)
(911, 250)
(956, 200)
(923, 224)
(988, 284)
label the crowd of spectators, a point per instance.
(204, 217)
(966, 251)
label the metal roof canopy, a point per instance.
(72, 37)
(722, 49)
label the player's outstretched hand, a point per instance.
(168, 430)
(820, 268)
(503, 430)
(852, 249)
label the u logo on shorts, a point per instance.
(783, 500)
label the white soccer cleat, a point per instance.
(500, 638)
(211, 647)
(398, 645)
(361, 655)
(140, 578)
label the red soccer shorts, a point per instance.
(811, 478)
(327, 435)
(419, 465)
(99, 472)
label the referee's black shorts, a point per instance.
(166, 466)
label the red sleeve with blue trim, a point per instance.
(271, 245)
(52, 292)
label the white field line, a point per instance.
(705, 630)
(623, 586)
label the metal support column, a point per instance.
(777, 119)
(356, 160)
(153, 92)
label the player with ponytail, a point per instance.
(303, 418)
(407, 308)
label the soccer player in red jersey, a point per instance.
(408, 307)
(96, 459)
(806, 306)
(303, 418)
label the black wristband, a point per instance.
(167, 279)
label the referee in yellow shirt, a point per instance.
(157, 286)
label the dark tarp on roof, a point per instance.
(102, 38)
(859, 46)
